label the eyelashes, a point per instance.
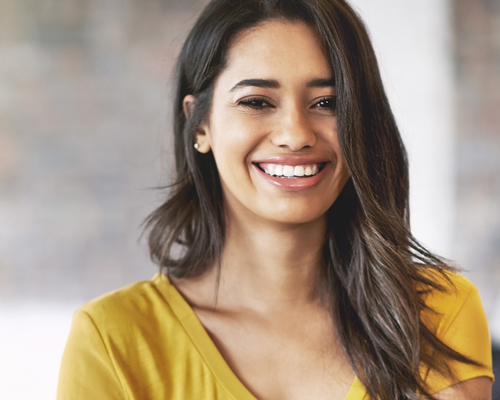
(323, 104)
(329, 102)
(256, 103)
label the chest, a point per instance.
(296, 358)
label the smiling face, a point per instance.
(272, 126)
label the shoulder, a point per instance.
(455, 314)
(443, 306)
(140, 298)
(130, 343)
(457, 318)
(130, 315)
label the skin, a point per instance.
(269, 324)
(472, 389)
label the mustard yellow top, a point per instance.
(145, 342)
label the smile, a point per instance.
(291, 171)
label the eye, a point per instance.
(257, 103)
(327, 104)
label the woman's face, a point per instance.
(273, 127)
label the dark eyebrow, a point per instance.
(321, 83)
(274, 84)
(262, 83)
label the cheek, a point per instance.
(232, 141)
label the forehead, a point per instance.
(282, 50)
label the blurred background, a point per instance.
(85, 92)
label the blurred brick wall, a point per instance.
(477, 66)
(84, 134)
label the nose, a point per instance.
(293, 129)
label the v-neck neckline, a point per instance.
(211, 354)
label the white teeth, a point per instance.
(278, 170)
(298, 170)
(288, 170)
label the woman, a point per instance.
(292, 273)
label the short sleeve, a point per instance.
(86, 369)
(464, 329)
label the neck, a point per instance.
(270, 266)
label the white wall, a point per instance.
(32, 339)
(413, 42)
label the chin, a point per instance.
(295, 217)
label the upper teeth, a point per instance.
(289, 170)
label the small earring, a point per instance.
(196, 145)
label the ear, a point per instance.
(203, 139)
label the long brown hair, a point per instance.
(372, 264)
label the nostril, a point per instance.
(295, 134)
